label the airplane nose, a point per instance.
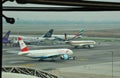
(70, 51)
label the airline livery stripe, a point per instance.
(19, 38)
(24, 49)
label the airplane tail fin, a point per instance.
(49, 33)
(80, 33)
(23, 46)
(6, 36)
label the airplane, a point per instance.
(29, 40)
(5, 39)
(83, 43)
(69, 37)
(47, 36)
(63, 53)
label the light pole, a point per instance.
(112, 64)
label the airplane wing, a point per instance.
(12, 52)
(61, 55)
(53, 55)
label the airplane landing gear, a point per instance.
(72, 58)
(76, 47)
(41, 60)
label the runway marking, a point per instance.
(28, 65)
(16, 61)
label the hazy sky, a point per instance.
(69, 16)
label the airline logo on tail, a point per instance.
(78, 34)
(49, 33)
(7, 35)
(23, 46)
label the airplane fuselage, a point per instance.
(46, 53)
(89, 43)
(63, 36)
(29, 39)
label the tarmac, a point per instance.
(102, 61)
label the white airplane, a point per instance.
(64, 54)
(83, 43)
(29, 39)
(69, 37)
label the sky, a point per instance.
(58, 16)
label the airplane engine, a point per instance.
(64, 57)
(90, 46)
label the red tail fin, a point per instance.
(23, 46)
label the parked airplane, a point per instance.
(83, 43)
(69, 37)
(47, 36)
(32, 39)
(64, 54)
(5, 39)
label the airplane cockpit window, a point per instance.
(61, 38)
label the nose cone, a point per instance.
(94, 42)
(70, 51)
